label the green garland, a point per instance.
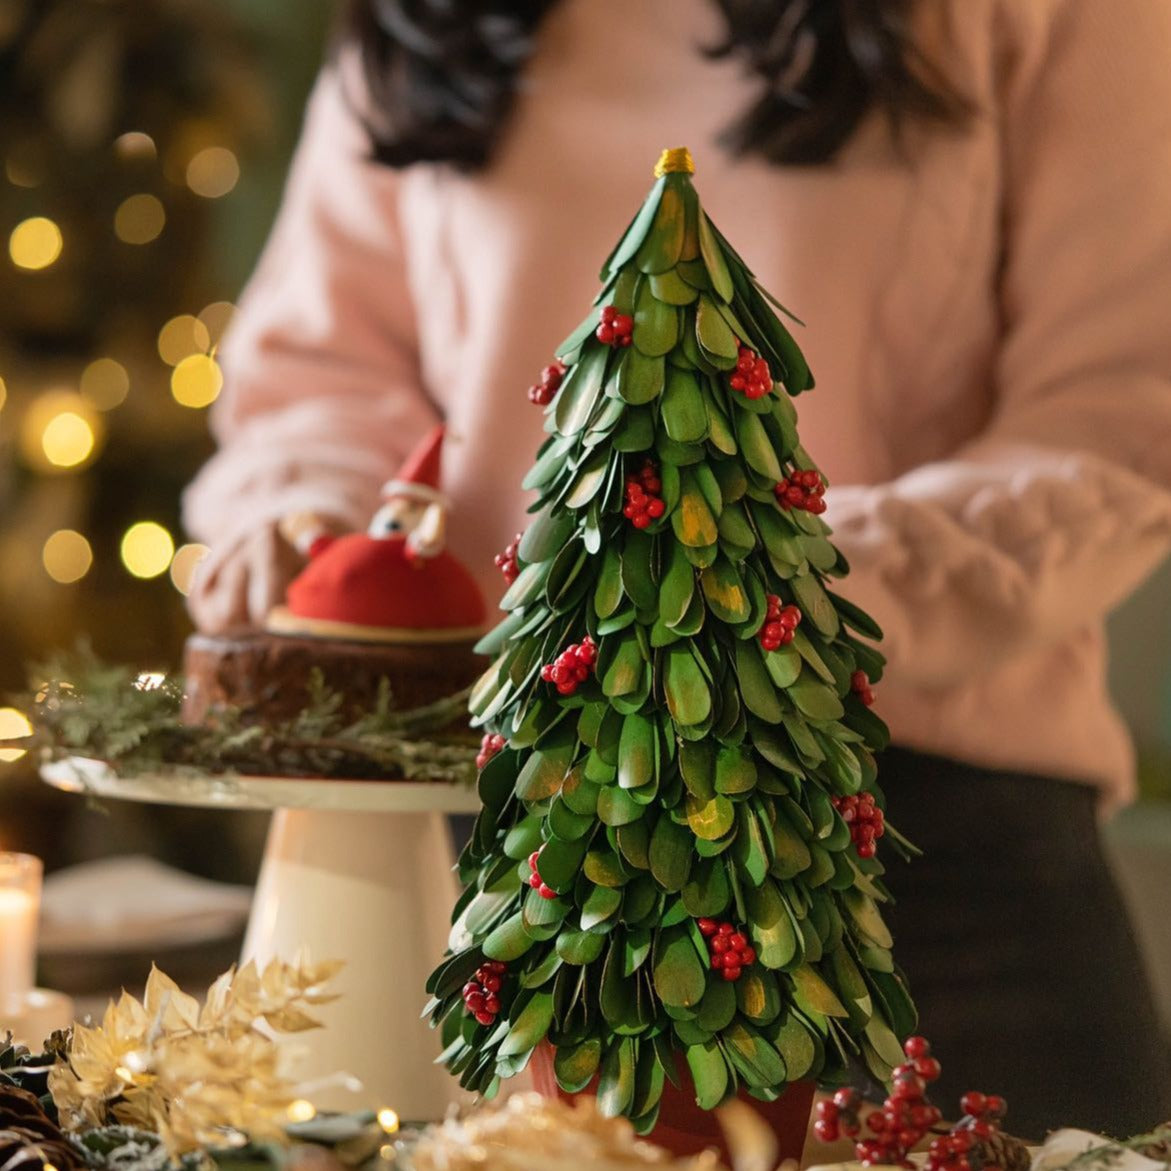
(92, 709)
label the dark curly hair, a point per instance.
(442, 74)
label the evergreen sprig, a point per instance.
(80, 706)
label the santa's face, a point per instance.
(398, 517)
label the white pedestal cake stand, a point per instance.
(353, 870)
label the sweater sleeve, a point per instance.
(1059, 509)
(323, 395)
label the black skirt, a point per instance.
(1018, 949)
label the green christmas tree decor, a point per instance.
(674, 871)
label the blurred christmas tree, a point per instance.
(125, 231)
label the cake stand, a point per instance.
(353, 870)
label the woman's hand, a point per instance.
(237, 585)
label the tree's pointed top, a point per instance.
(675, 159)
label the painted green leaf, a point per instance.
(783, 665)
(670, 853)
(759, 996)
(589, 480)
(661, 249)
(578, 947)
(689, 699)
(712, 330)
(509, 941)
(815, 604)
(816, 700)
(625, 671)
(601, 904)
(754, 1057)
(697, 764)
(812, 994)
(640, 379)
(709, 1074)
(693, 522)
(718, 1006)
(579, 393)
(636, 752)
(725, 593)
(677, 587)
(678, 973)
(671, 287)
(530, 1027)
(865, 913)
(770, 925)
(616, 1080)
(608, 591)
(656, 325)
(760, 695)
(683, 410)
(616, 807)
(713, 259)
(603, 868)
(796, 1046)
(546, 536)
(575, 1066)
(735, 771)
(543, 772)
(710, 820)
(756, 447)
(707, 892)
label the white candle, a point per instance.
(20, 897)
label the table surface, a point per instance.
(78, 774)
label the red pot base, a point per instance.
(684, 1129)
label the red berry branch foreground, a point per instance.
(907, 1117)
(676, 855)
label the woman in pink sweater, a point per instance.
(989, 317)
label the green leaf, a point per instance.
(637, 232)
(735, 771)
(866, 915)
(812, 994)
(856, 617)
(689, 698)
(637, 562)
(679, 976)
(670, 853)
(683, 410)
(709, 1073)
(725, 593)
(710, 820)
(707, 893)
(529, 1029)
(578, 395)
(616, 807)
(693, 522)
(509, 941)
(543, 772)
(712, 330)
(546, 536)
(625, 670)
(759, 997)
(754, 1057)
(640, 380)
(756, 447)
(771, 926)
(608, 591)
(815, 604)
(677, 588)
(576, 1066)
(697, 764)
(601, 904)
(718, 1006)
(656, 325)
(663, 245)
(783, 665)
(760, 695)
(796, 1046)
(578, 947)
(616, 1081)
(816, 700)
(671, 287)
(713, 259)
(637, 752)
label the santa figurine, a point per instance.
(395, 582)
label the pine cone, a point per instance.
(29, 1138)
(1003, 1151)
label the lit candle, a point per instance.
(20, 899)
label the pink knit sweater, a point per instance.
(990, 326)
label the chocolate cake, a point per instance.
(266, 675)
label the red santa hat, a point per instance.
(419, 475)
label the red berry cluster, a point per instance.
(572, 667)
(802, 490)
(542, 392)
(482, 991)
(860, 686)
(506, 562)
(956, 1151)
(729, 949)
(780, 624)
(753, 378)
(491, 744)
(907, 1115)
(643, 503)
(536, 882)
(616, 329)
(865, 820)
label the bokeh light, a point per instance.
(196, 382)
(12, 725)
(105, 383)
(139, 219)
(3, 394)
(67, 556)
(184, 564)
(134, 144)
(213, 172)
(60, 431)
(182, 336)
(301, 1110)
(147, 549)
(216, 318)
(35, 243)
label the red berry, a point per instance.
(719, 944)
(826, 1132)
(490, 745)
(491, 983)
(731, 974)
(506, 561)
(926, 1067)
(748, 956)
(707, 926)
(546, 892)
(996, 1106)
(916, 1047)
(826, 1108)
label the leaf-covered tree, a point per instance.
(674, 868)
